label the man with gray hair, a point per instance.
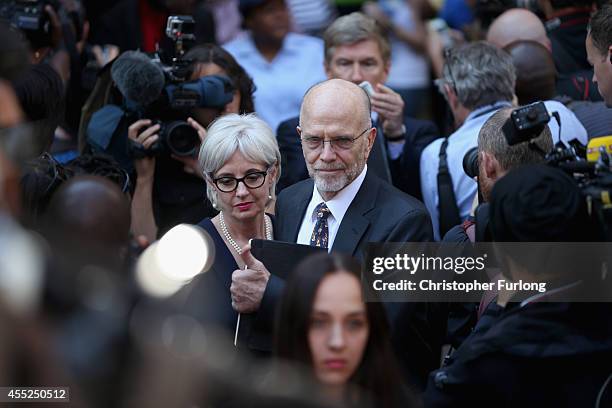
(478, 79)
(496, 157)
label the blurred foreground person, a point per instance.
(325, 325)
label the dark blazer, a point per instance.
(404, 171)
(545, 354)
(379, 213)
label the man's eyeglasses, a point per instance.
(337, 143)
(254, 179)
(448, 57)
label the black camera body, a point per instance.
(176, 137)
(526, 123)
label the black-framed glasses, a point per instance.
(252, 180)
(336, 143)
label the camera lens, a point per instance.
(470, 162)
(182, 139)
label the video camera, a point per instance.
(593, 176)
(156, 87)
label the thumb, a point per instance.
(248, 258)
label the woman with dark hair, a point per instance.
(210, 59)
(325, 324)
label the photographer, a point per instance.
(153, 134)
(494, 158)
(542, 350)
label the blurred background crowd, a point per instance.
(143, 143)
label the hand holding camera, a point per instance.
(143, 136)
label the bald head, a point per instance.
(336, 95)
(90, 209)
(535, 71)
(515, 25)
(333, 112)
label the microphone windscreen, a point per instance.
(138, 78)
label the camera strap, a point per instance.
(447, 202)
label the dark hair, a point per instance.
(14, 58)
(600, 29)
(100, 164)
(41, 94)
(377, 373)
(211, 53)
(41, 177)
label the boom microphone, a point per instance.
(139, 79)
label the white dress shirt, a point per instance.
(282, 83)
(459, 143)
(337, 208)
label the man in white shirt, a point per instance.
(283, 64)
(478, 79)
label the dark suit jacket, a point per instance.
(404, 171)
(379, 213)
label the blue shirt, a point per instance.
(282, 83)
(459, 143)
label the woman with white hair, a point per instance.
(240, 162)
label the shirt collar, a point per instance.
(339, 205)
(483, 110)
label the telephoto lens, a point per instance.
(470, 162)
(180, 138)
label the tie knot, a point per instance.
(322, 211)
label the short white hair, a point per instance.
(249, 135)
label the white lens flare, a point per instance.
(181, 254)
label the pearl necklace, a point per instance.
(232, 242)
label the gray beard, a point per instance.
(333, 185)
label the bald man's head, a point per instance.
(337, 134)
(535, 71)
(90, 210)
(337, 94)
(515, 25)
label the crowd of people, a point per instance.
(318, 130)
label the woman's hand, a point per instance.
(248, 285)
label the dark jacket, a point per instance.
(379, 213)
(540, 355)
